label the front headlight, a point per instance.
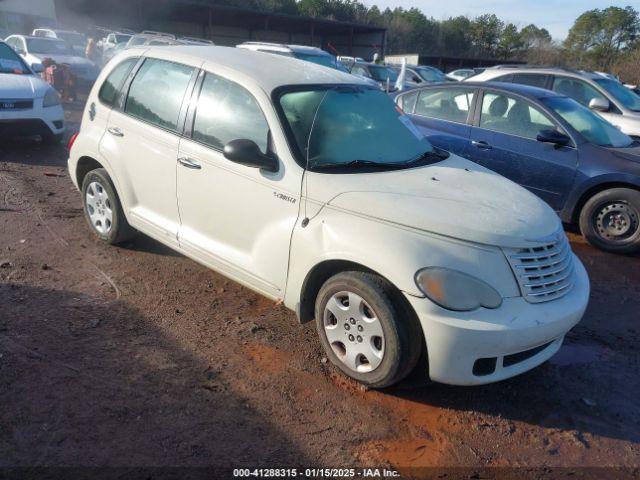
(51, 98)
(455, 290)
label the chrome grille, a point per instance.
(544, 273)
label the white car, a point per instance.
(604, 94)
(35, 49)
(308, 186)
(461, 74)
(28, 105)
(75, 40)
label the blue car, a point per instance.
(581, 165)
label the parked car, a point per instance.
(392, 245)
(112, 40)
(75, 40)
(28, 105)
(149, 38)
(419, 75)
(608, 97)
(581, 165)
(383, 75)
(35, 49)
(301, 52)
(461, 74)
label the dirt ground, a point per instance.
(136, 356)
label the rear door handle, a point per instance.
(481, 145)
(115, 131)
(189, 163)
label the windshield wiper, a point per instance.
(423, 159)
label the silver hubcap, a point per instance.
(99, 208)
(617, 221)
(354, 332)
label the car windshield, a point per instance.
(353, 127)
(122, 38)
(137, 41)
(621, 93)
(47, 46)
(10, 62)
(380, 73)
(324, 60)
(592, 127)
(431, 75)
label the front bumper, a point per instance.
(500, 343)
(34, 121)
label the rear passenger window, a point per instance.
(451, 104)
(226, 111)
(512, 116)
(111, 86)
(157, 92)
(533, 79)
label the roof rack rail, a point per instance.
(271, 44)
(158, 34)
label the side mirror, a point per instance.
(246, 152)
(553, 136)
(599, 105)
(37, 67)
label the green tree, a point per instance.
(510, 43)
(485, 34)
(455, 36)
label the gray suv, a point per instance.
(610, 98)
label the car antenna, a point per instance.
(305, 220)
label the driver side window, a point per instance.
(513, 116)
(579, 90)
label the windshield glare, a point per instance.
(621, 93)
(47, 46)
(591, 126)
(10, 62)
(351, 124)
(380, 73)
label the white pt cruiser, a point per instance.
(308, 186)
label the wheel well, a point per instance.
(595, 190)
(85, 165)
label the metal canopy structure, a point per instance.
(224, 24)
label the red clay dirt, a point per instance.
(138, 356)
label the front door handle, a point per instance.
(482, 145)
(115, 131)
(189, 163)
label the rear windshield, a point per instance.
(10, 62)
(324, 60)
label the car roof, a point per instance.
(29, 37)
(543, 71)
(518, 88)
(266, 70)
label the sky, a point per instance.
(557, 16)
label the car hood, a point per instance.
(629, 153)
(455, 198)
(16, 87)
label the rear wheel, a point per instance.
(610, 220)
(102, 208)
(366, 330)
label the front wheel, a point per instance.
(366, 330)
(610, 220)
(102, 208)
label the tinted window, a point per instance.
(513, 116)
(111, 86)
(533, 79)
(621, 93)
(157, 92)
(580, 91)
(358, 70)
(226, 111)
(48, 46)
(504, 79)
(451, 104)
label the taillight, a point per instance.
(72, 141)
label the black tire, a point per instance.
(52, 139)
(403, 339)
(119, 229)
(610, 220)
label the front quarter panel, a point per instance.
(393, 252)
